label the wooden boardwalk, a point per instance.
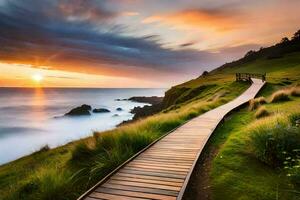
(163, 170)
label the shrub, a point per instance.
(255, 103)
(274, 140)
(279, 96)
(261, 112)
(295, 91)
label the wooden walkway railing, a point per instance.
(162, 170)
(249, 76)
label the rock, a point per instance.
(101, 110)
(78, 111)
(115, 115)
(151, 100)
(119, 109)
(87, 107)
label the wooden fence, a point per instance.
(248, 76)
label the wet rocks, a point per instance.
(79, 111)
(101, 110)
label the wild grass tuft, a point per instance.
(255, 103)
(273, 140)
(261, 112)
(280, 96)
(295, 91)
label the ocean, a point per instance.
(33, 117)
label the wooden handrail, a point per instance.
(248, 76)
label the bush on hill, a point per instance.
(279, 96)
(262, 112)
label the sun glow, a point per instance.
(37, 78)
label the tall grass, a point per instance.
(295, 91)
(274, 139)
(280, 96)
(262, 112)
(46, 185)
(255, 103)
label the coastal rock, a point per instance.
(119, 109)
(101, 110)
(151, 100)
(78, 111)
(140, 112)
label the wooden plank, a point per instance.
(178, 161)
(161, 164)
(145, 185)
(135, 194)
(91, 198)
(142, 180)
(182, 158)
(141, 189)
(155, 170)
(149, 177)
(113, 196)
(160, 174)
(158, 167)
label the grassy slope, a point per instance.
(235, 173)
(68, 171)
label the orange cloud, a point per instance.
(217, 20)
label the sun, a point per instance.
(37, 78)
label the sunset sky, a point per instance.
(132, 43)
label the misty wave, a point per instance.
(6, 131)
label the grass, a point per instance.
(262, 112)
(274, 139)
(255, 103)
(279, 96)
(249, 163)
(295, 91)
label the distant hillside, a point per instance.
(281, 62)
(279, 50)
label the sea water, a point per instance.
(32, 118)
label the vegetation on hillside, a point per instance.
(260, 159)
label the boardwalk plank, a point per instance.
(143, 180)
(141, 189)
(135, 194)
(146, 185)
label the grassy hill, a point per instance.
(66, 172)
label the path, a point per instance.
(163, 170)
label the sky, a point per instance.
(132, 43)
